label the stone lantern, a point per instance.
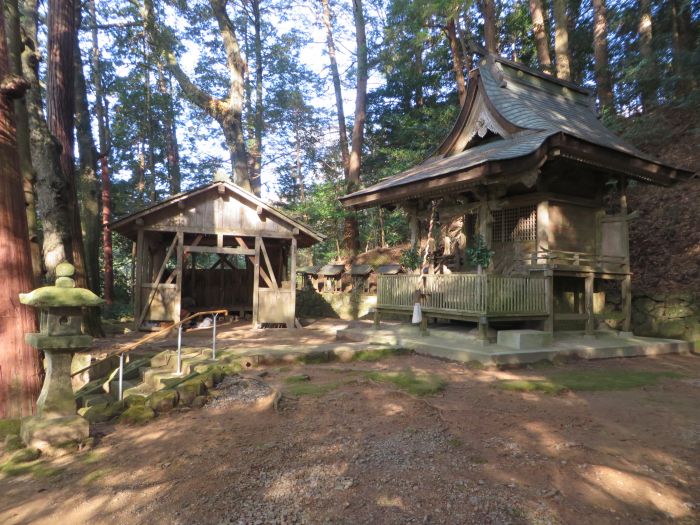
(60, 336)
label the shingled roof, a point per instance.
(514, 118)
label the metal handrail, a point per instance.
(151, 337)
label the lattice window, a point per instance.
(515, 224)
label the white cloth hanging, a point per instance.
(417, 314)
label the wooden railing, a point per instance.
(465, 294)
(550, 257)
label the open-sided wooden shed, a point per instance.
(216, 246)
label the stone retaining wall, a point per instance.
(674, 316)
(347, 306)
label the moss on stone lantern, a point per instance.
(59, 337)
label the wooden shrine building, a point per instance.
(215, 247)
(528, 166)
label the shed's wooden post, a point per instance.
(292, 281)
(138, 270)
(256, 280)
(590, 324)
(626, 291)
(413, 225)
(549, 300)
(178, 279)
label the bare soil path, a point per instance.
(350, 449)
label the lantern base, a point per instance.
(53, 435)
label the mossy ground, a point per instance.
(8, 427)
(587, 381)
(379, 354)
(410, 382)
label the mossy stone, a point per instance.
(65, 282)
(189, 390)
(13, 442)
(134, 399)
(25, 455)
(163, 400)
(137, 415)
(102, 412)
(199, 401)
(65, 269)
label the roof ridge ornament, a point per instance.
(496, 70)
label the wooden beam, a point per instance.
(292, 281)
(219, 240)
(218, 250)
(138, 272)
(161, 271)
(256, 280)
(268, 265)
(590, 322)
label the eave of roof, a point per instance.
(568, 126)
(122, 225)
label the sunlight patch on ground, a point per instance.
(635, 489)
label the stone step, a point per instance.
(141, 389)
(126, 384)
(97, 399)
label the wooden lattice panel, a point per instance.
(515, 224)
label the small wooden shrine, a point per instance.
(215, 247)
(530, 170)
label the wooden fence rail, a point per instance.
(463, 293)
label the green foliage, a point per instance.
(411, 258)
(587, 380)
(479, 254)
(372, 356)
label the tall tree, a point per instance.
(540, 33)
(170, 131)
(15, 47)
(647, 84)
(87, 184)
(457, 63)
(327, 18)
(103, 137)
(351, 234)
(255, 179)
(683, 41)
(561, 39)
(51, 187)
(19, 363)
(490, 38)
(600, 53)
(60, 93)
(228, 112)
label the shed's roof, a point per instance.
(127, 225)
(515, 118)
(331, 270)
(361, 269)
(389, 269)
(310, 270)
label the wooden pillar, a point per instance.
(543, 226)
(138, 274)
(256, 280)
(413, 226)
(590, 321)
(549, 298)
(485, 221)
(626, 293)
(292, 282)
(180, 251)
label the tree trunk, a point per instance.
(457, 65)
(351, 231)
(60, 93)
(342, 129)
(647, 77)
(19, 363)
(88, 187)
(490, 38)
(541, 37)
(51, 189)
(255, 180)
(561, 39)
(15, 47)
(600, 53)
(171, 146)
(682, 38)
(103, 133)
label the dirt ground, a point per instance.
(361, 451)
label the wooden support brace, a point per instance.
(142, 316)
